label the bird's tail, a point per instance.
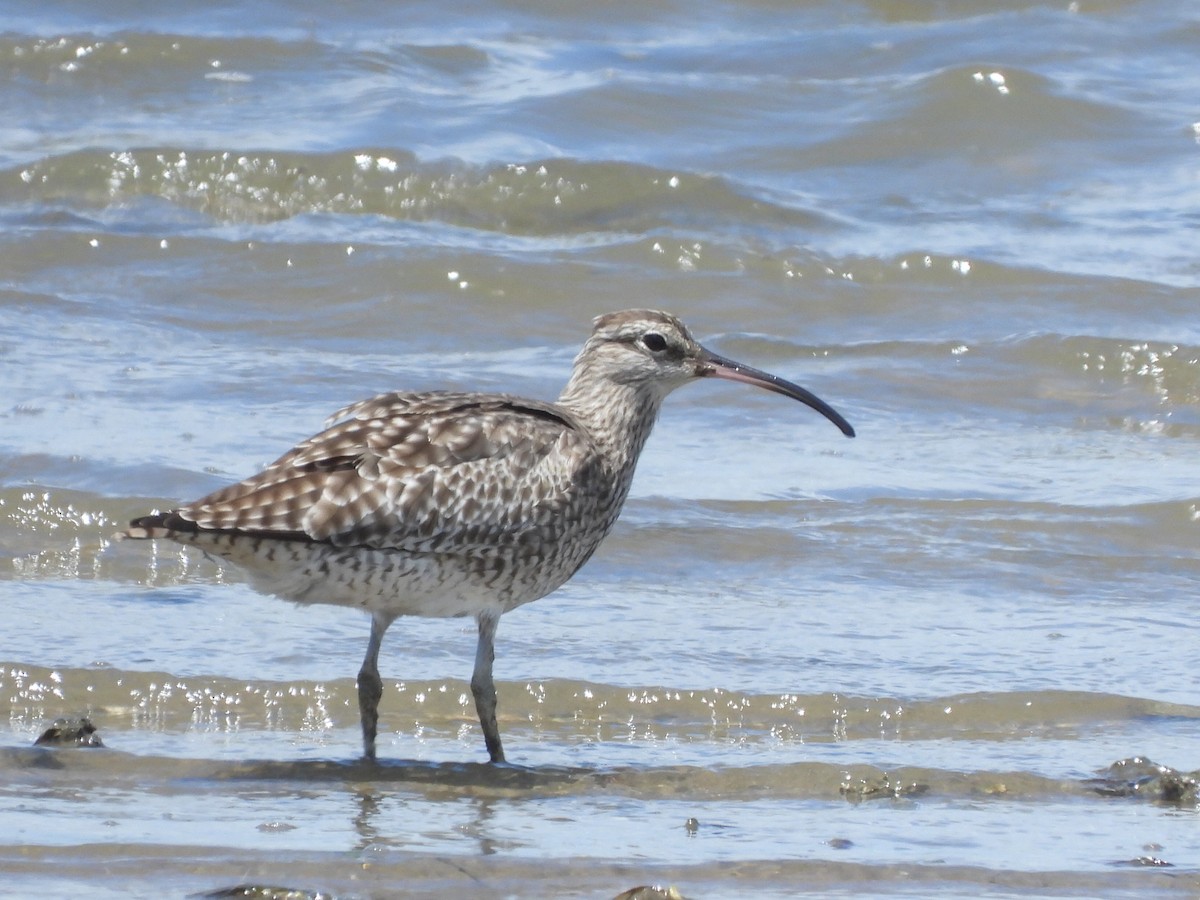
(159, 525)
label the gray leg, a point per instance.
(370, 685)
(484, 688)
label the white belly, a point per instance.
(394, 582)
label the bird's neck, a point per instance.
(617, 416)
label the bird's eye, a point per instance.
(654, 342)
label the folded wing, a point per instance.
(419, 472)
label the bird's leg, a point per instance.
(370, 685)
(484, 688)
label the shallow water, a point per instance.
(895, 666)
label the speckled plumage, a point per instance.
(453, 504)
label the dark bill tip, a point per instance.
(714, 366)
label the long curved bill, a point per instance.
(714, 366)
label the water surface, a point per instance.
(902, 665)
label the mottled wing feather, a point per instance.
(421, 472)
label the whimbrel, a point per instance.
(457, 504)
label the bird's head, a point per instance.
(653, 352)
